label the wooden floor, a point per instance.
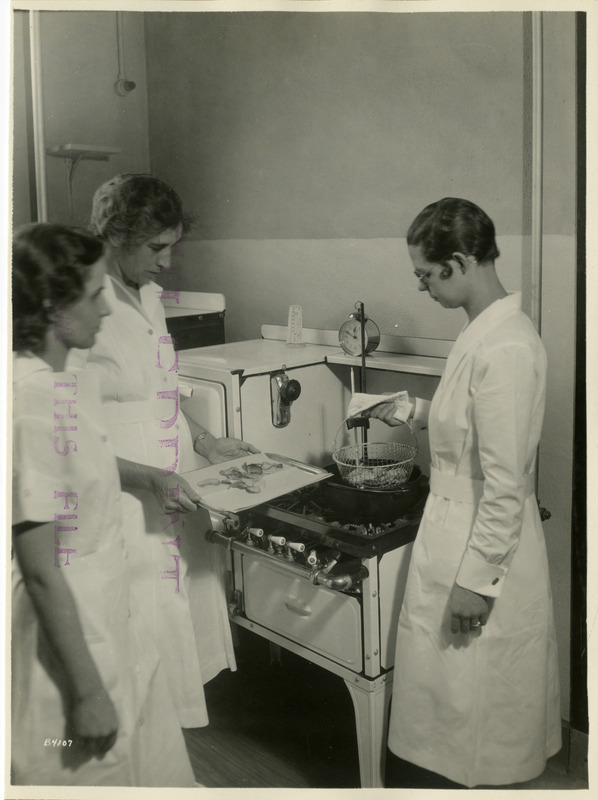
(291, 725)
(287, 724)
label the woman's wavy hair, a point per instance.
(50, 265)
(453, 225)
(130, 208)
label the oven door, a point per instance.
(282, 599)
(205, 403)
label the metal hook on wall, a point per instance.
(75, 153)
(123, 86)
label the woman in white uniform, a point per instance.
(476, 689)
(90, 701)
(179, 576)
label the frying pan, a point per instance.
(371, 505)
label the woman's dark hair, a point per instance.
(453, 225)
(50, 265)
(130, 208)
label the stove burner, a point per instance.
(303, 503)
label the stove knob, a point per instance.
(290, 391)
(299, 547)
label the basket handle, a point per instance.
(346, 421)
(364, 422)
(358, 422)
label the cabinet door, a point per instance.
(204, 402)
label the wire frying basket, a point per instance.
(375, 465)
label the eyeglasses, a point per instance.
(423, 276)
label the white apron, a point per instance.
(481, 708)
(71, 478)
(179, 576)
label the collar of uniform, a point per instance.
(146, 303)
(495, 313)
(485, 321)
(26, 364)
(150, 294)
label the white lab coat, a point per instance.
(137, 370)
(481, 709)
(48, 464)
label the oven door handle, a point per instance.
(303, 612)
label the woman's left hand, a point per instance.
(468, 610)
(225, 449)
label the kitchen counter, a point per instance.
(256, 356)
(393, 362)
(411, 354)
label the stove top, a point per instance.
(312, 505)
(306, 514)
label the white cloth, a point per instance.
(73, 474)
(361, 401)
(481, 709)
(136, 364)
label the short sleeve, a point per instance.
(43, 479)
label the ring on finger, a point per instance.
(476, 624)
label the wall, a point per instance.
(559, 310)
(316, 138)
(22, 143)
(261, 278)
(79, 67)
(306, 143)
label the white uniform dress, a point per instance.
(136, 364)
(481, 708)
(69, 477)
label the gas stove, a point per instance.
(325, 585)
(329, 588)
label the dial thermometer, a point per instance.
(352, 333)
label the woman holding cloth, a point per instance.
(90, 703)
(140, 220)
(476, 690)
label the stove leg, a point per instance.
(275, 655)
(371, 701)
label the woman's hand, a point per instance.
(468, 610)
(94, 722)
(225, 449)
(174, 493)
(386, 413)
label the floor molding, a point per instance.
(575, 747)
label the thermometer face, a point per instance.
(349, 337)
